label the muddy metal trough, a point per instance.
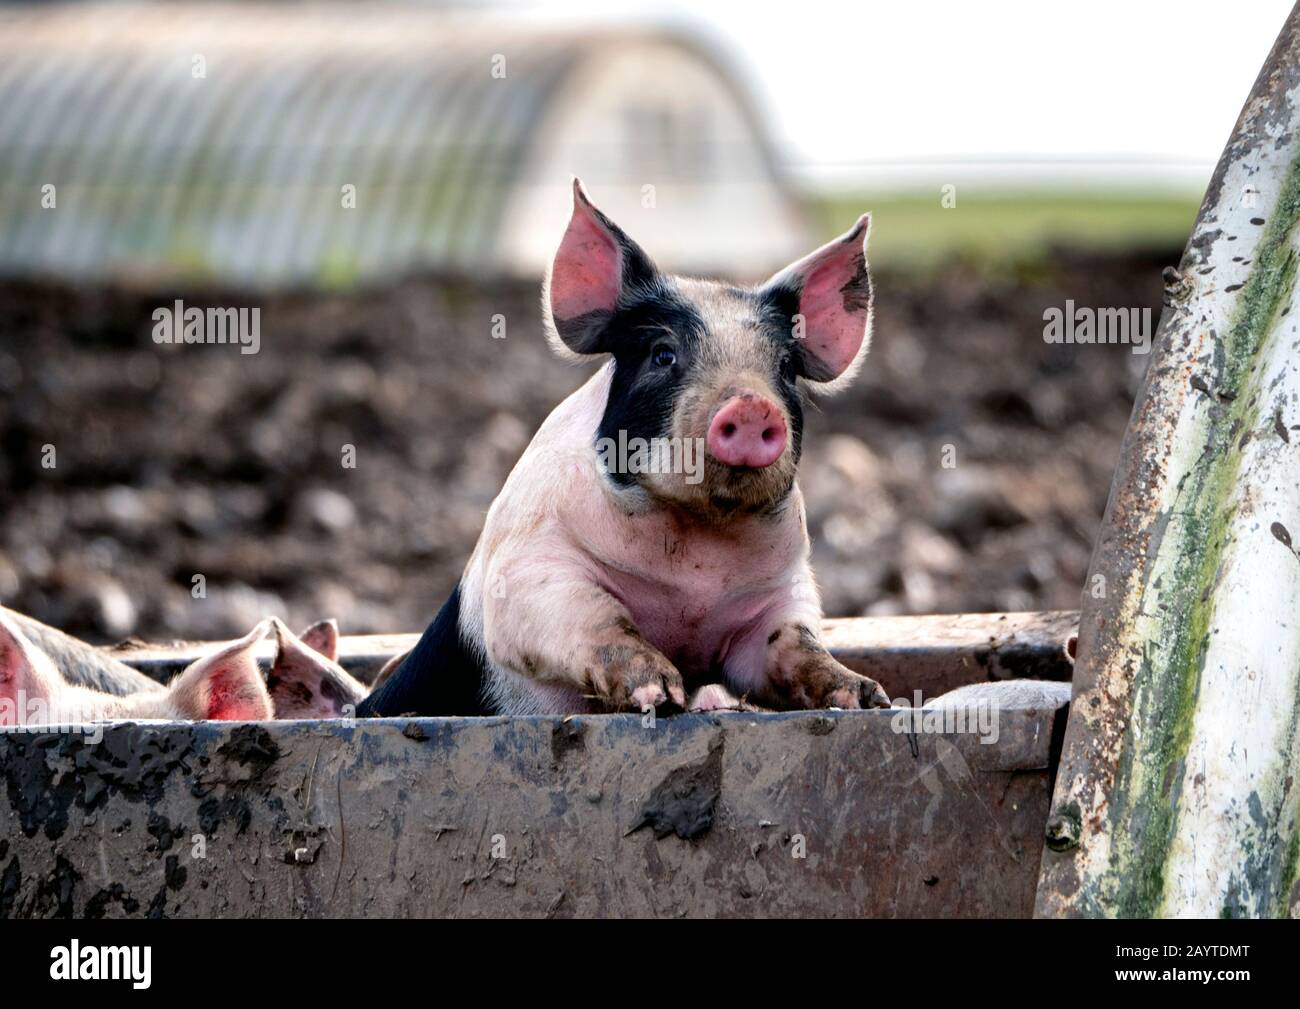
(823, 813)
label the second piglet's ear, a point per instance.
(593, 267)
(305, 680)
(323, 637)
(827, 296)
(225, 685)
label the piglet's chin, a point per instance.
(725, 492)
(743, 490)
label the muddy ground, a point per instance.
(172, 462)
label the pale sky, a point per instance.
(1104, 91)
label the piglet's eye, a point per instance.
(664, 357)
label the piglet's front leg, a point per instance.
(623, 670)
(558, 629)
(801, 673)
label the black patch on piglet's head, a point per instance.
(656, 344)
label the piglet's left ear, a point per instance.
(225, 685)
(828, 295)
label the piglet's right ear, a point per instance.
(225, 685)
(593, 266)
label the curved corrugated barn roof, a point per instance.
(215, 141)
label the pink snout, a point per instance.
(747, 431)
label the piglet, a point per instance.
(652, 538)
(78, 663)
(224, 685)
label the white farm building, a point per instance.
(306, 145)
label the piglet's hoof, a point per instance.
(632, 678)
(842, 688)
(872, 695)
(859, 693)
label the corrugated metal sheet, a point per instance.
(237, 175)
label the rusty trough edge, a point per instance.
(927, 653)
(1174, 792)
